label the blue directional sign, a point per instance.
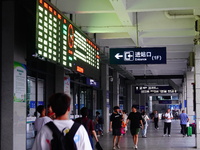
(147, 55)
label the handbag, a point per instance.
(98, 146)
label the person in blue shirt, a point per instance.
(183, 122)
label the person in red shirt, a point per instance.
(51, 114)
(88, 124)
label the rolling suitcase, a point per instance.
(189, 131)
(193, 125)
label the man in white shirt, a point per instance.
(60, 104)
(167, 124)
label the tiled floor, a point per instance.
(154, 140)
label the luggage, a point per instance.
(189, 131)
(193, 125)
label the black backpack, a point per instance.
(61, 141)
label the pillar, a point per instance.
(197, 91)
(129, 97)
(7, 78)
(105, 95)
(59, 77)
(116, 82)
(150, 104)
(184, 95)
(181, 100)
(189, 92)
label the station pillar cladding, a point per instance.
(105, 95)
(197, 94)
(189, 95)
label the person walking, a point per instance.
(167, 124)
(155, 119)
(98, 124)
(183, 122)
(88, 124)
(115, 126)
(42, 119)
(125, 116)
(51, 114)
(144, 130)
(60, 104)
(136, 120)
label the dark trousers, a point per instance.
(167, 125)
(156, 122)
(183, 129)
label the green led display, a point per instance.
(60, 41)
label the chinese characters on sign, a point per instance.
(154, 89)
(138, 56)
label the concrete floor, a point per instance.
(154, 140)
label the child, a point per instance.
(123, 131)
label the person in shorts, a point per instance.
(115, 126)
(136, 123)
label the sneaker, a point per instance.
(114, 147)
(164, 135)
(136, 147)
(169, 135)
(144, 137)
(118, 146)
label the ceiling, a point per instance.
(140, 23)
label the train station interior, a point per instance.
(102, 53)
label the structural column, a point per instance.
(59, 75)
(7, 69)
(197, 91)
(116, 82)
(190, 95)
(105, 94)
(150, 104)
(181, 100)
(184, 94)
(129, 97)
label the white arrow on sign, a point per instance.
(118, 56)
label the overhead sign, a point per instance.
(92, 82)
(147, 55)
(154, 90)
(165, 102)
(59, 40)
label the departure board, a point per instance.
(61, 41)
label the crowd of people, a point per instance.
(89, 130)
(139, 121)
